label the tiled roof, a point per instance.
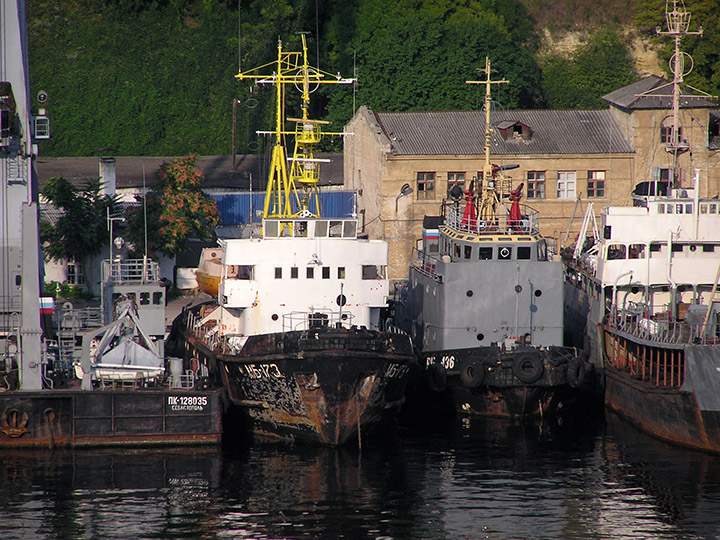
(463, 132)
(653, 92)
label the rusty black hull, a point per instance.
(321, 386)
(72, 418)
(668, 413)
(524, 384)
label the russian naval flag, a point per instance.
(47, 304)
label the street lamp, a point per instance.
(404, 192)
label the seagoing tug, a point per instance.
(484, 304)
(296, 334)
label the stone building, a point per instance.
(404, 164)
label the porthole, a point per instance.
(469, 294)
(480, 337)
(538, 293)
(274, 317)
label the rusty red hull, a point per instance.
(667, 413)
(486, 381)
(58, 418)
(324, 386)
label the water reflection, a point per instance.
(591, 477)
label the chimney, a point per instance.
(107, 175)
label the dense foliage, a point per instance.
(81, 230)
(156, 77)
(174, 211)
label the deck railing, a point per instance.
(660, 328)
(502, 224)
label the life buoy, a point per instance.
(575, 372)
(436, 377)
(528, 368)
(472, 374)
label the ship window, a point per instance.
(655, 248)
(677, 248)
(703, 208)
(713, 208)
(542, 251)
(523, 252)
(144, 298)
(689, 208)
(271, 229)
(708, 248)
(372, 271)
(679, 208)
(615, 251)
(278, 272)
(326, 272)
(637, 251)
(294, 272)
(321, 228)
(157, 298)
(350, 229)
(467, 251)
(661, 208)
(341, 272)
(485, 253)
(245, 272)
(310, 272)
(504, 253)
(335, 229)
(456, 250)
(670, 209)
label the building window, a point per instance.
(566, 185)
(74, 273)
(596, 184)
(425, 185)
(536, 184)
(455, 179)
(666, 132)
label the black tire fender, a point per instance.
(528, 368)
(575, 372)
(472, 374)
(436, 377)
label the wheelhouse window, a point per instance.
(278, 272)
(596, 184)
(536, 184)
(425, 185)
(485, 253)
(455, 179)
(524, 252)
(566, 185)
(326, 272)
(310, 272)
(294, 272)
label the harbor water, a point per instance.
(592, 477)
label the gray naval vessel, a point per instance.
(485, 306)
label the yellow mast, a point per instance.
(489, 197)
(282, 198)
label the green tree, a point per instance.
(579, 80)
(81, 230)
(175, 210)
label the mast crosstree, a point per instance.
(294, 192)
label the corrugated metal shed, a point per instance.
(462, 133)
(235, 208)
